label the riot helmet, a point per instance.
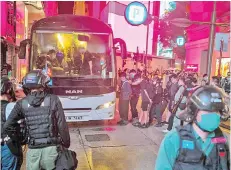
(35, 79)
(6, 85)
(205, 98)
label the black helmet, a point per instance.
(35, 79)
(6, 85)
(206, 98)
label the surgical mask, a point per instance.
(209, 122)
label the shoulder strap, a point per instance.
(222, 150)
(47, 101)
(185, 132)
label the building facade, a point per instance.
(198, 37)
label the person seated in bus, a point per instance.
(83, 61)
(41, 62)
(96, 69)
(53, 59)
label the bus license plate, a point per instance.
(74, 117)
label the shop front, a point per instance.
(8, 36)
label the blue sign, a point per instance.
(136, 13)
(180, 41)
(172, 6)
(222, 42)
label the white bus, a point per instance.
(78, 53)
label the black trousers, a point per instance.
(158, 110)
(133, 104)
(123, 109)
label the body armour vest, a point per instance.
(42, 131)
(192, 158)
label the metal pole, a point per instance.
(221, 49)
(147, 34)
(211, 40)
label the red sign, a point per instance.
(191, 67)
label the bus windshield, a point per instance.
(73, 54)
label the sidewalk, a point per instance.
(128, 148)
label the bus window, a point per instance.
(73, 54)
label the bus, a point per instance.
(79, 55)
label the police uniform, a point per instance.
(45, 120)
(183, 149)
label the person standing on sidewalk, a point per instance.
(158, 104)
(124, 98)
(11, 151)
(135, 95)
(146, 103)
(173, 89)
(179, 102)
(200, 144)
(45, 120)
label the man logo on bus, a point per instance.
(74, 91)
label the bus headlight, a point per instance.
(105, 105)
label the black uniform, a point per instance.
(134, 99)
(13, 143)
(44, 118)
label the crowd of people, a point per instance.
(160, 93)
(195, 109)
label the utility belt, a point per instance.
(43, 142)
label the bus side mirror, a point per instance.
(22, 49)
(121, 45)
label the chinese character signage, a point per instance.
(10, 21)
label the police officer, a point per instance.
(200, 144)
(11, 152)
(45, 120)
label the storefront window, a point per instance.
(225, 66)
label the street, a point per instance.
(125, 147)
(104, 145)
(114, 147)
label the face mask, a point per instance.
(209, 122)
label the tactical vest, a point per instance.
(42, 130)
(194, 158)
(3, 116)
